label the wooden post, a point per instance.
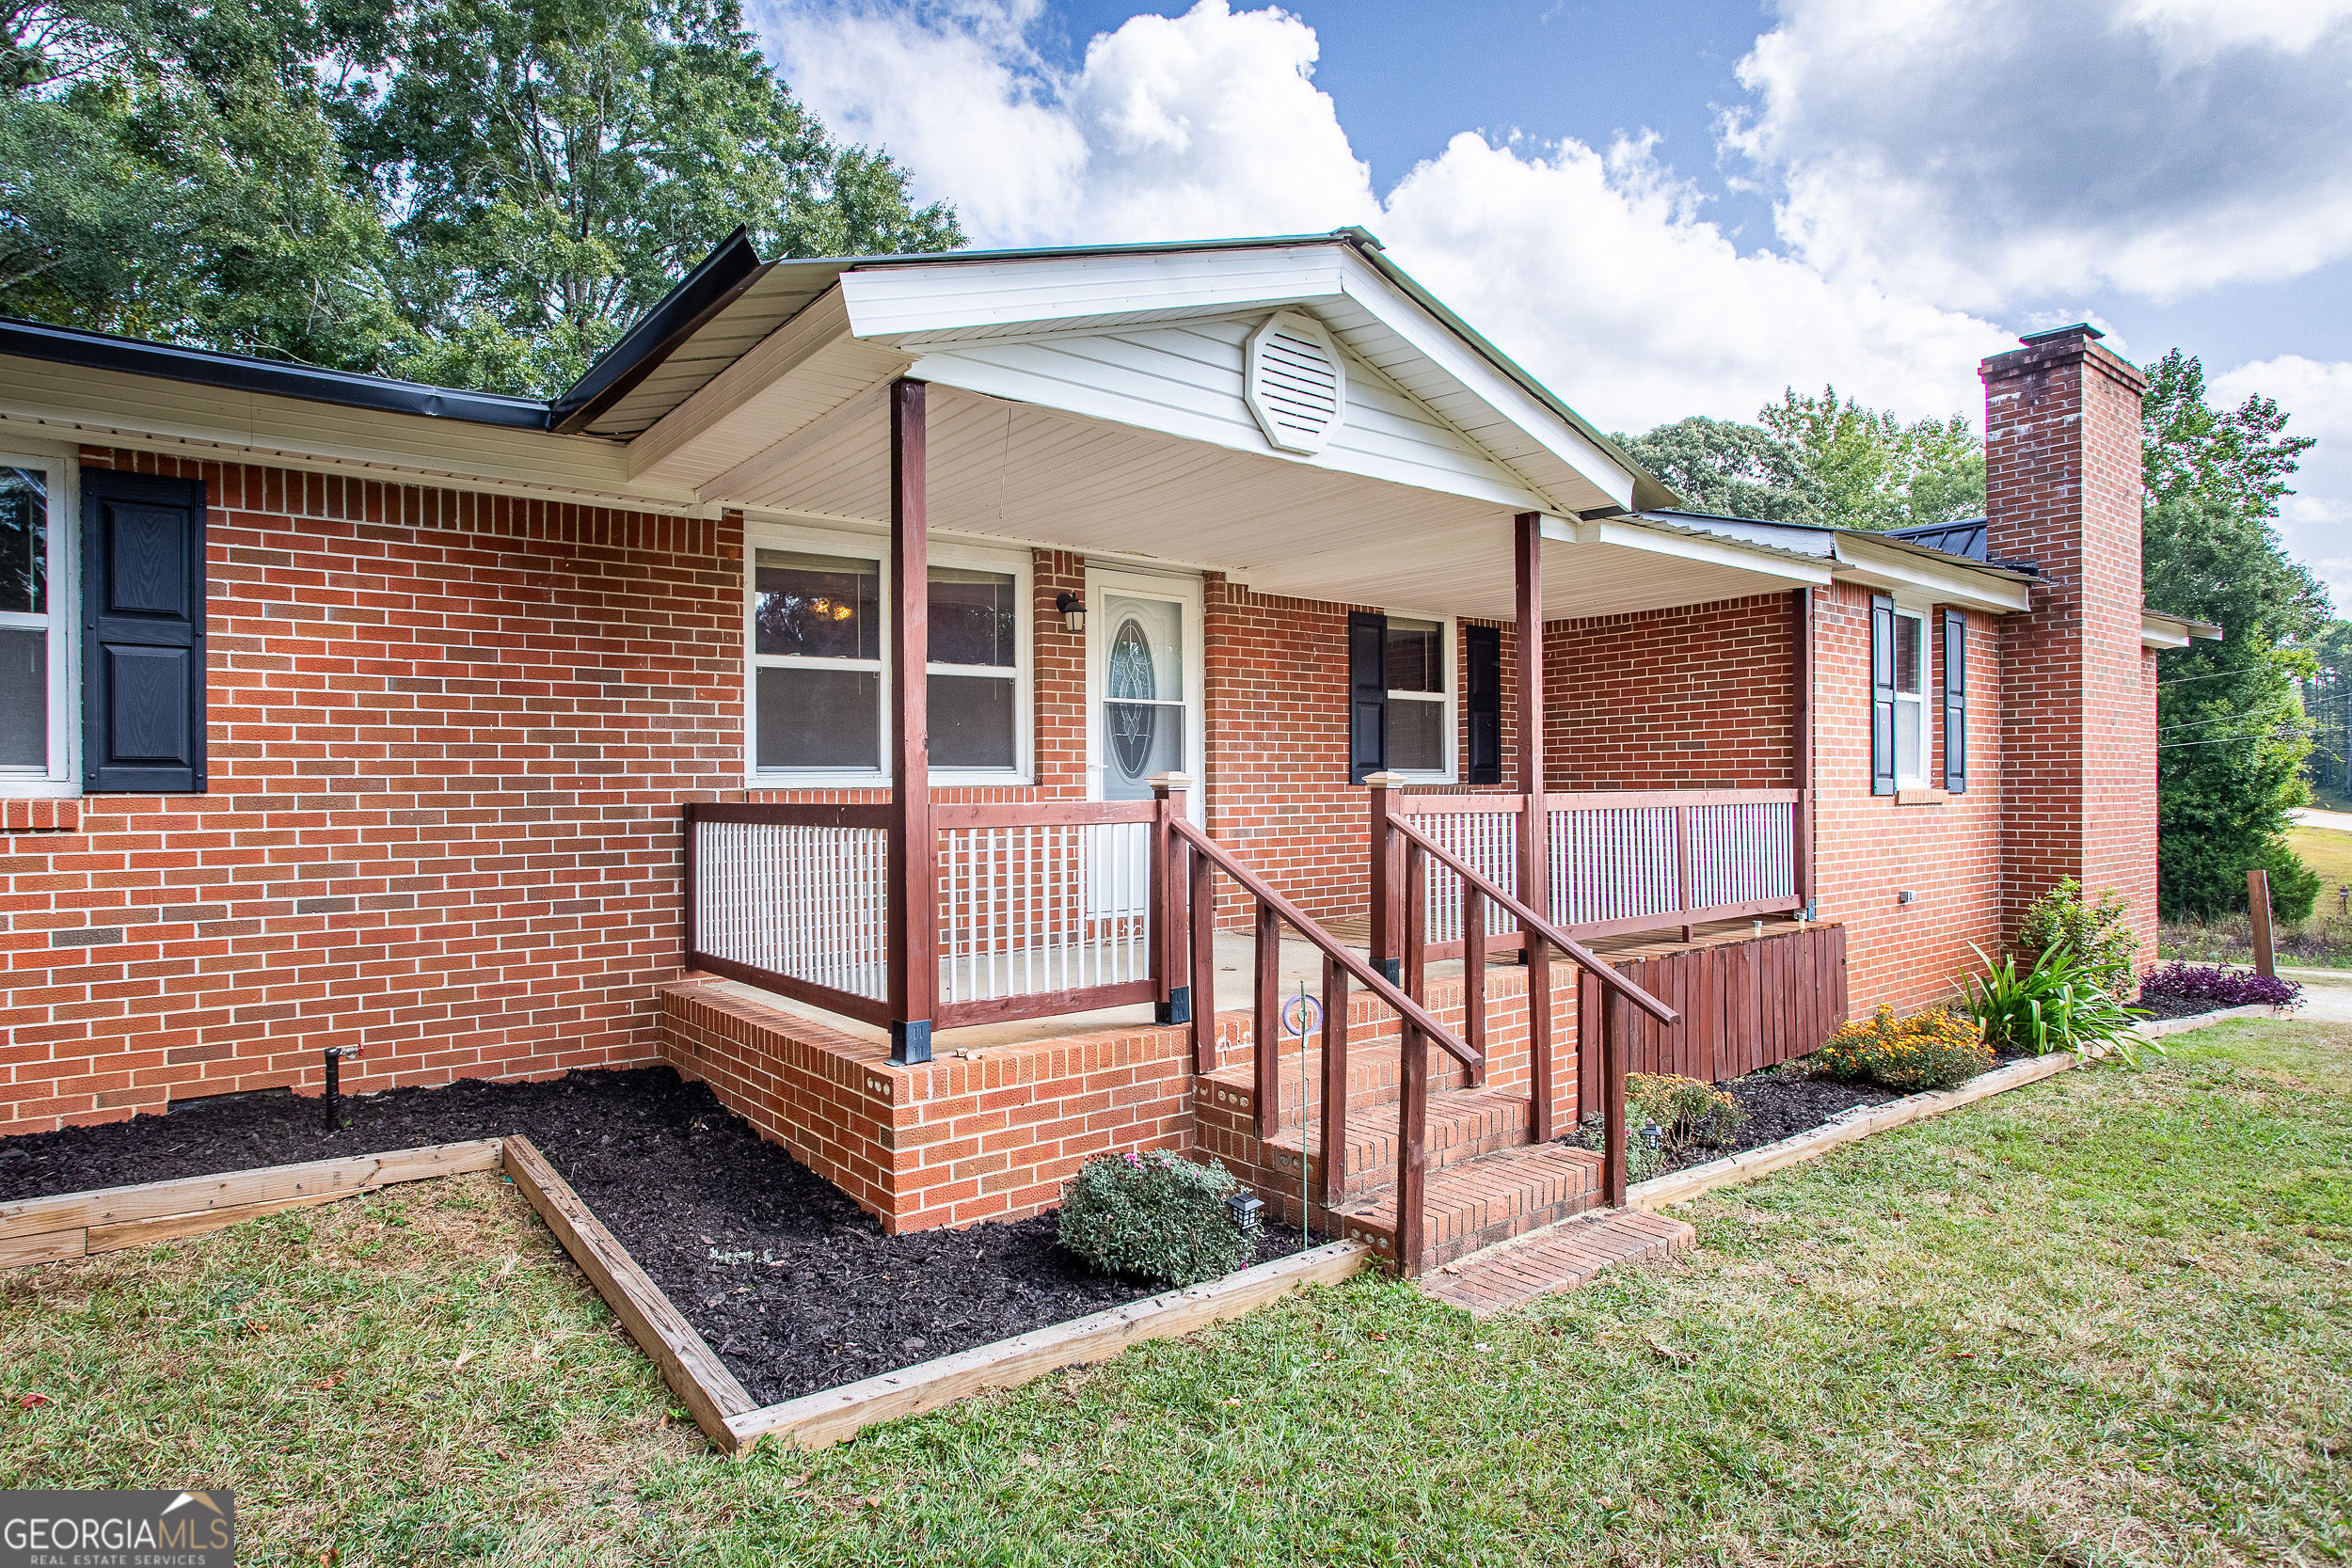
(1535, 820)
(1202, 924)
(913, 847)
(2258, 902)
(1173, 1004)
(1265, 1019)
(689, 936)
(1800, 826)
(1474, 977)
(1388, 939)
(1412, 1105)
(1334, 1106)
(1417, 924)
(1613, 1102)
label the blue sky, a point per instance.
(1684, 207)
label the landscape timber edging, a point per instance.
(1850, 1125)
(75, 1225)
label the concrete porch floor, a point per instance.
(1301, 963)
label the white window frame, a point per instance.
(1449, 722)
(1912, 772)
(1019, 564)
(60, 778)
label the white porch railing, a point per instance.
(804, 899)
(1033, 909)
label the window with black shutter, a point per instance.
(1955, 702)
(1367, 694)
(1882, 695)
(142, 633)
(1484, 707)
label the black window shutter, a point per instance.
(1483, 644)
(1367, 694)
(1882, 695)
(1955, 703)
(142, 633)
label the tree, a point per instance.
(555, 166)
(1730, 470)
(2232, 736)
(1876, 471)
(478, 193)
(1819, 460)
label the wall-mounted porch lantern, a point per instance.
(1073, 611)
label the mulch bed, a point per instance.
(794, 1285)
(1780, 1105)
(2159, 1005)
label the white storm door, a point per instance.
(1143, 685)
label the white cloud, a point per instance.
(1595, 269)
(1988, 153)
(2316, 395)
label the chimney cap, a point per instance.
(2082, 329)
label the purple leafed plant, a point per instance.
(2217, 987)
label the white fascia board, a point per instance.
(890, 302)
(155, 414)
(1476, 374)
(1876, 567)
(1683, 547)
(2173, 631)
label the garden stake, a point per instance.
(332, 1100)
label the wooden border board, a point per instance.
(688, 1364)
(1683, 1185)
(74, 1225)
(817, 1420)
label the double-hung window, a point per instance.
(37, 715)
(1420, 739)
(819, 643)
(1911, 700)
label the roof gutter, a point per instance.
(716, 282)
(66, 345)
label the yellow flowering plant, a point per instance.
(1934, 1049)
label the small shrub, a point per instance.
(2057, 1005)
(1690, 1114)
(1155, 1214)
(1934, 1049)
(2220, 988)
(2094, 932)
(1641, 1161)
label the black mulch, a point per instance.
(2156, 1003)
(793, 1285)
(1780, 1105)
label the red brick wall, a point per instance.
(2062, 485)
(449, 736)
(1869, 850)
(1701, 697)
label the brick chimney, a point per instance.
(2062, 490)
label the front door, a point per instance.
(1143, 685)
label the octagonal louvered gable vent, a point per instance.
(1295, 385)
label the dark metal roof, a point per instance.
(68, 345)
(1962, 538)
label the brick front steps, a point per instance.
(1560, 1257)
(1485, 1184)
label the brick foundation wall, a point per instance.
(449, 735)
(2062, 489)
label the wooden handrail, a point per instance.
(1332, 948)
(1592, 962)
(796, 814)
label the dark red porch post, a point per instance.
(1535, 821)
(914, 850)
(1387, 879)
(1802, 826)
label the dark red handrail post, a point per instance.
(1412, 1106)
(913, 873)
(1173, 1002)
(1613, 1102)
(1334, 1083)
(1416, 923)
(1682, 867)
(1265, 1013)
(1474, 977)
(1201, 923)
(1387, 932)
(690, 936)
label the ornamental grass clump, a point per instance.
(1153, 1214)
(2060, 1004)
(1934, 1049)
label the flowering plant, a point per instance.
(2220, 988)
(1934, 1049)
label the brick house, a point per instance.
(483, 736)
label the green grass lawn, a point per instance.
(2105, 1320)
